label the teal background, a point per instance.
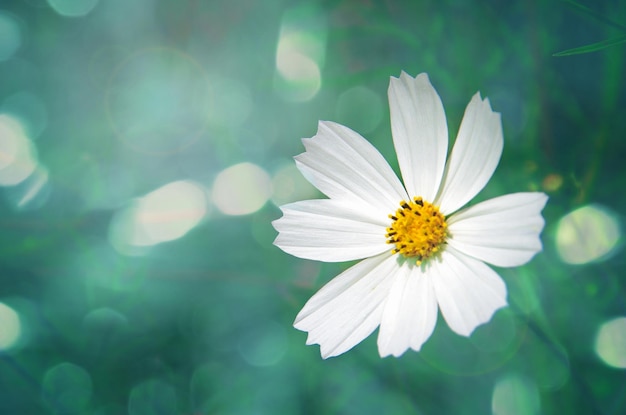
(118, 98)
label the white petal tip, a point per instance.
(421, 78)
(467, 331)
(395, 354)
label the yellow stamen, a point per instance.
(417, 229)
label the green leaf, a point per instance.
(586, 10)
(593, 47)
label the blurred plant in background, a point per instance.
(146, 145)
(597, 45)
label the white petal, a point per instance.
(474, 158)
(345, 166)
(420, 133)
(468, 291)
(329, 230)
(503, 231)
(410, 312)
(348, 309)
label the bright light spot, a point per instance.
(300, 53)
(552, 182)
(73, 8)
(611, 342)
(125, 235)
(10, 327)
(301, 80)
(158, 101)
(30, 110)
(31, 193)
(67, 386)
(515, 395)
(173, 210)
(165, 214)
(264, 345)
(10, 140)
(360, 108)
(587, 234)
(35, 188)
(289, 185)
(241, 189)
(10, 37)
(17, 154)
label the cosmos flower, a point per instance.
(419, 252)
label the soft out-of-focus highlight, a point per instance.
(300, 53)
(515, 394)
(587, 234)
(10, 35)
(610, 342)
(73, 8)
(241, 189)
(11, 327)
(18, 156)
(162, 215)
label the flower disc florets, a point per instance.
(417, 229)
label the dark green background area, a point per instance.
(202, 324)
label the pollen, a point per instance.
(418, 230)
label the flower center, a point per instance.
(418, 229)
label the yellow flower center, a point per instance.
(417, 229)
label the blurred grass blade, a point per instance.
(593, 47)
(586, 10)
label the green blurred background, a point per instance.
(146, 144)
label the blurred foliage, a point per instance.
(597, 45)
(116, 304)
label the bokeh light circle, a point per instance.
(171, 211)
(360, 108)
(10, 327)
(10, 36)
(164, 214)
(587, 234)
(67, 388)
(241, 189)
(514, 394)
(31, 193)
(300, 76)
(10, 141)
(158, 101)
(610, 342)
(73, 8)
(18, 157)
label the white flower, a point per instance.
(420, 252)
